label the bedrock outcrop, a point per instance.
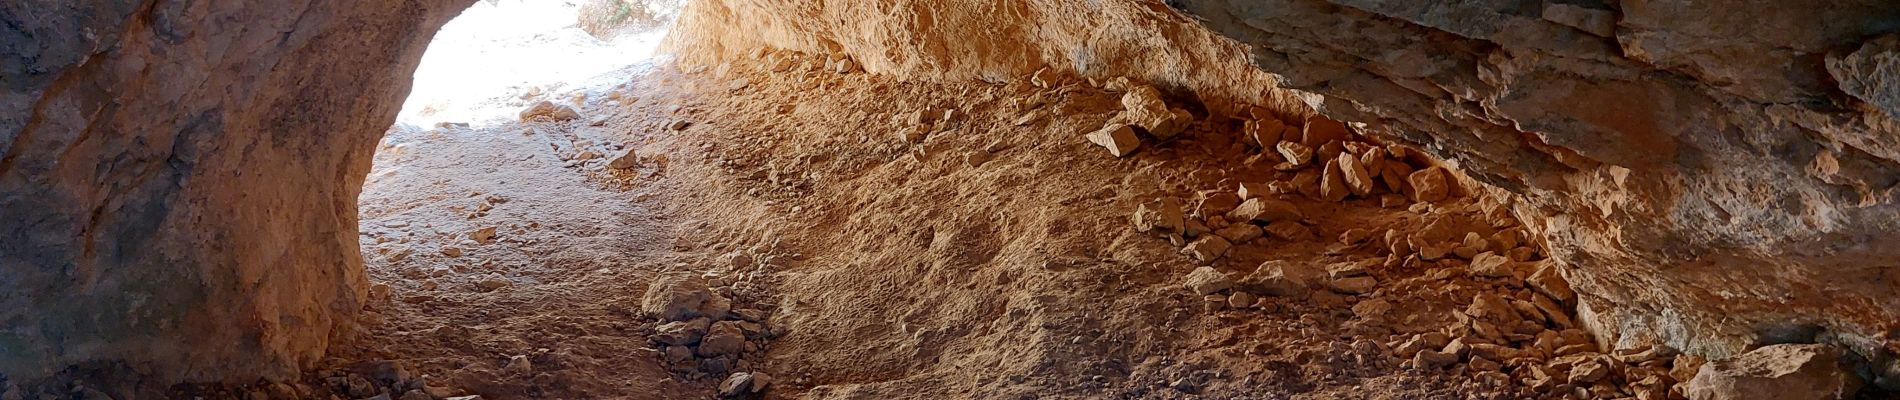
(1711, 178)
(178, 179)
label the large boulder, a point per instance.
(1783, 371)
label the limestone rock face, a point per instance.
(987, 40)
(1707, 179)
(1783, 371)
(178, 180)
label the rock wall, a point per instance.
(178, 179)
(1713, 174)
(1711, 178)
(996, 41)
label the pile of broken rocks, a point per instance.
(700, 334)
(1519, 330)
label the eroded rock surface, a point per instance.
(1709, 178)
(178, 180)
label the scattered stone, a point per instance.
(760, 381)
(1250, 190)
(1422, 342)
(1783, 371)
(451, 251)
(1345, 270)
(1119, 139)
(1260, 209)
(1241, 300)
(625, 159)
(1207, 249)
(1162, 215)
(1588, 372)
(1296, 154)
(1354, 236)
(1333, 183)
(1217, 202)
(736, 385)
(680, 125)
(682, 333)
(1429, 185)
(1276, 278)
(1240, 233)
(1145, 107)
(1320, 130)
(483, 235)
(1354, 285)
(1206, 281)
(724, 338)
(1433, 359)
(675, 297)
(1289, 230)
(549, 110)
(1264, 133)
(1490, 265)
(1355, 175)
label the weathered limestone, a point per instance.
(178, 190)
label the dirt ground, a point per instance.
(992, 256)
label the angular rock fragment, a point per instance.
(1354, 285)
(724, 338)
(1120, 140)
(548, 110)
(1276, 278)
(681, 333)
(675, 297)
(1264, 133)
(1289, 230)
(1217, 202)
(1321, 130)
(1162, 216)
(1240, 232)
(1491, 265)
(1355, 175)
(1265, 210)
(1146, 109)
(1333, 183)
(1429, 185)
(1206, 281)
(736, 385)
(1249, 190)
(1207, 249)
(1296, 154)
(626, 159)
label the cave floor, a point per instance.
(991, 258)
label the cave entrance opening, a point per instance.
(474, 217)
(496, 57)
